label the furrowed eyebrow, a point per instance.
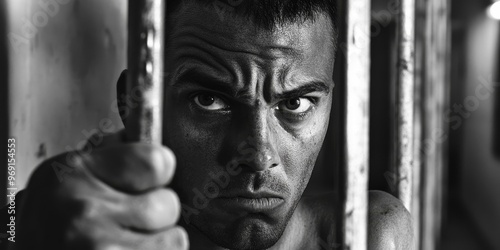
(310, 87)
(197, 77)
(202, 79)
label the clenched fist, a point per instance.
(115, 197)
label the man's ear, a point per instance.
(121, 95)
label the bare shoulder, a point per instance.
(389, 223)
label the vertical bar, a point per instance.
(357, 123)
(405, 100)
(496, 111)
(4, 100)
(435, 102)
(418, 122)
(145, 64)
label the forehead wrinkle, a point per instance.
(268, 44)
(252, 72)
(202, 64)
(196, 52)
(283, 74)
(263, 51)
(191, 63)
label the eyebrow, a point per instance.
(198, 77)
(314, 86)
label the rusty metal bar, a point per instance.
(405, 87)
(357, 123)
(145, 67)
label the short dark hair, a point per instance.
(268, 14)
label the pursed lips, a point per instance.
(253, 202)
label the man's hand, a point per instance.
(114, 197)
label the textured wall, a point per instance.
(66, 58)
(480, 174)
(3, 100)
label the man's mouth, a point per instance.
(252, 202)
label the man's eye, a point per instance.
(296, 105)
(210, 102)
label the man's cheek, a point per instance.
(301, 161)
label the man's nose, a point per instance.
(257, 151)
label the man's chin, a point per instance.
(252, 231)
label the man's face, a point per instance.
(246, 112)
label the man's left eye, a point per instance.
(296, 105)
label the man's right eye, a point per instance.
(210, 102)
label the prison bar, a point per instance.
(145, 67)
(357, 124)
(418, 126)
(436, 40)
(405, 87)
(408, 121)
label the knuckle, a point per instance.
(160, 209)
(172, 205)
(162, 163)
(170, 163)
(175, 203)
(82, 216)
(169, 155)
(178, 238)
(87, 209)
(157, 160)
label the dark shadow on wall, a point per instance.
(383, 52)
(4, 121)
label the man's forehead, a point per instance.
(236, 32)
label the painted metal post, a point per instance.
(357, 123)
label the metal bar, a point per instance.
(405, 101)
(145, 64)
(418, 122)
(357, 123)
(435, 102)
(496, 108)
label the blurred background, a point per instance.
(60, 60)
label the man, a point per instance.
(247, 103)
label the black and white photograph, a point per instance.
(250, 124)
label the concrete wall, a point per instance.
(480, 170)
(3, 99)
(65, 60)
